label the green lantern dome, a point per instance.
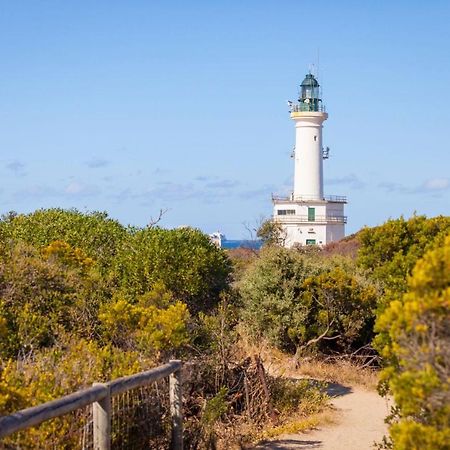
(310, 81)
(309, 94)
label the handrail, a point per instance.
(99, 395)
(35, 415)
(120, 385)
(306, 219)
(306, 198)
(307, 107)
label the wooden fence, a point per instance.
(99, 395)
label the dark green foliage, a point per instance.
(96, 234)
(42, 297)
(184, 260)
(416, 346)
(391, 250)
(293, 299)
(59, 269)
(271, 233)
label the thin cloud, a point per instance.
(433, 186)
(263, 192)
(205, 189)
(159, 171)
(97, 163)
(17, 167)
(80, 189)
(222, 184)
(436, 184)
(395, 188)
(36, 192)
(74, 189)
(351, 180)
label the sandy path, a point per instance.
(360, 423)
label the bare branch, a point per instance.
(154, 221)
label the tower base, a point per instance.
(310, 222)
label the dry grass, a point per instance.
(281, 364)
(342, 372)
(300, 424)
(278, 363)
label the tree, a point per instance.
(94, 233)
(271, 233)
(43, 294)
(391, 250)
(301, 302)
(184, 260)
(417, 355)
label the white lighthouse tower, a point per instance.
(308, 217)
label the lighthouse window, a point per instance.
(310, 242)
(286, 212)
(315, 138)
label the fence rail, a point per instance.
(99, 395)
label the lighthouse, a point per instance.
(307, 216)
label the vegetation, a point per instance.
(84, 299)
(390, 251)
(184, 260)
(418, 355)
(271, 233)
(301, 302)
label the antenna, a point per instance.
(318, 64)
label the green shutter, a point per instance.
(311, 214)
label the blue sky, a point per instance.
(129, 107)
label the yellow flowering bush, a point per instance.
(418, 355)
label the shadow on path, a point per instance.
(332, 389)
(337, 390)
(291, 442)
(284, 444)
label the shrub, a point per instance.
(391, 250)
(298, 301)
(417, 355)
(94, 233)
(51, 373)
(45, 293)
(155, 322)
(184, 260)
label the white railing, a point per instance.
(99, 395)
(305, 219)
(306, 198)
(307, 107)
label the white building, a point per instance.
(307, 216)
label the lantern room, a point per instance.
(310, 94)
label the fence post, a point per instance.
(176, 405)
(101, 414)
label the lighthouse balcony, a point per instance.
(309, 199)
(310, 219)
(307, 107)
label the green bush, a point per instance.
(45, 293)
(417, 355)
(391, 250)
(94, 233)
(297, 300)
(184, 260)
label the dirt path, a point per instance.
(360, 423)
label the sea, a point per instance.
(236, 243)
